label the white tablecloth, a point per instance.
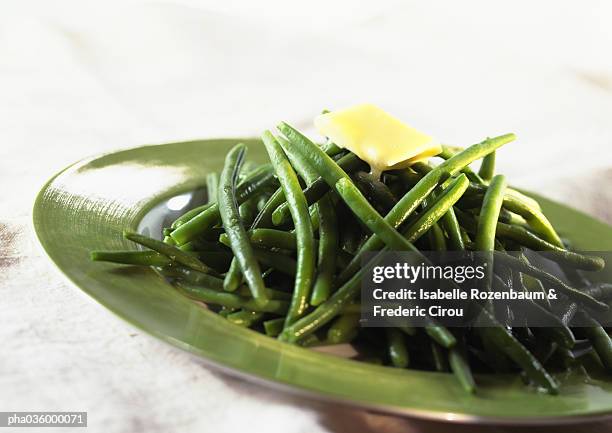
(79, 78)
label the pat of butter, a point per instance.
(376, 137)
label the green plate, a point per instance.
(87, 205)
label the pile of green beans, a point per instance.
(278, 248)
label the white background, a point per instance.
(79, 78)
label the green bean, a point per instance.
(344, 328)
(453, 230)
(231, 300)
(193, 277)
(449, 151)
(327, 252)
(328, 230)
(139, 258)
(263, 219)
(413, 198)
(396, 347)
(233, 276)
(489, 214)
(505, 342)
(600, 340)
(316, 190)
(572, 293)
(331, 148)
(189, 215)
(212, 185)
(434, 211)
(273, 327)
(173, 253)
(310, 341)
(272, 293)
(245, 318)
(248, 211)
(534, 217)
(487, 168)
(487, 225)
(225, 311)
(228, 208)
(461, 370)
(209, 217)
(303, 227)
(437, 241)
(440, 335)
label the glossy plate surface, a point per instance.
(87, 205)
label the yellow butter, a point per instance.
(376, 137)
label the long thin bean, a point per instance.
(487, 168)
(328, 230)
(173, 253)
(232, 300)
(239, 241)
(303, 227)
(396, 346)
(140, 258)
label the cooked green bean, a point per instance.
(396, 347)
(327, 252)
(453, 230)
(344, 328)
(462, 370)
(193, 277)
(245, 318)
(212, 185)
(228, 208)
(303, 228)
(487, 224)
(601, 341)
(273, 327)
(328, 230)
(448, 152)
(173, 253)
(487, 168)
(489, 214)
(232, 300)
(437, 241)
(140, 258)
